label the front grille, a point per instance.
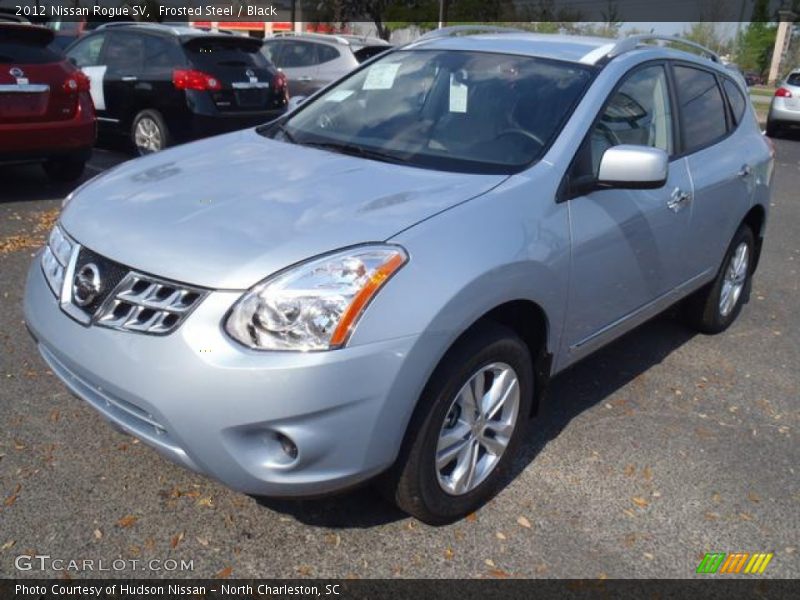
(121, 298)
(111, 273)
(145, 304)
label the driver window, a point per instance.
(638, 113)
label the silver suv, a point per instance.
(380, 284)
(311, 60)
(784, 110)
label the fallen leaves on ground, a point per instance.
(12, 498)
(127, 521)
(98, 534)
(176, 539)
(224, 573)
(8, 545)
(43, 222)
(206, 501)
(448, 553)
(640, 502)
(524, 522)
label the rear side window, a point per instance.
(793, 79)
(125, 51)
(702, 107)
(298, 54)
(162, 53)
(12, 51)
(211, 53)
(736, 98)
(327, 53)
(86, 53)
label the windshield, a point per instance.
(448, 110)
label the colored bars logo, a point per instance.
(719, 562)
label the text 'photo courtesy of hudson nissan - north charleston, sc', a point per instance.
(378, 285)
(160, 85)
(46, 113)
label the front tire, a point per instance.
(466, 429)
(714, 308)
(149, 132)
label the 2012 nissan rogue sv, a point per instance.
(380, 283)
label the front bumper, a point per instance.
(207, 403)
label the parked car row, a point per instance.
(156, 85)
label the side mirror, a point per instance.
(296, 101)
(633, 167)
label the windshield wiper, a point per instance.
(289, 137)
(355, 150)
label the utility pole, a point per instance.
(784, 36)
(441, 13)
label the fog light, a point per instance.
(288, 446)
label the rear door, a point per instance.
(32, 78)
(124, 59)
(247, 78)
(720, 163)
(300, 61)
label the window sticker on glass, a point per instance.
(381, 76)
(458, 95)
(338, 95)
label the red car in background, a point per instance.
(46, 111)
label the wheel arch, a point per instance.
(756, 219)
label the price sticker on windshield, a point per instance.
(458, 96)
(381, 76)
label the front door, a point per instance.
(627, 245)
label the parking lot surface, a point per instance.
(658, 449)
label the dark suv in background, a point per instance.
(162, 85)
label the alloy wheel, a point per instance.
(478, 428)
(147, 136)
(735, 277)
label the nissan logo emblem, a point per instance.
(250, 73)
(16, 72)
(86, 285)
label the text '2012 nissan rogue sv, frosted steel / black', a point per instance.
(380, 283)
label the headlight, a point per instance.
(55, 258)
(315, 305)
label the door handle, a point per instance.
(129, 78)
(678, 200)
(304, 78)
(745, 171)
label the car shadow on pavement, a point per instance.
(572, 392)
(22, 183)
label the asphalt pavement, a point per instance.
(658, 449)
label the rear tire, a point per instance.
(714, 308)
(149, 132)
(493, 362)
(64, 170)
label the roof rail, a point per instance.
(467, 30)
(635, 41)
(331, 37)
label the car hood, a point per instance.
(226, 212)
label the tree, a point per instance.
(706, 34)
(755, 44)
